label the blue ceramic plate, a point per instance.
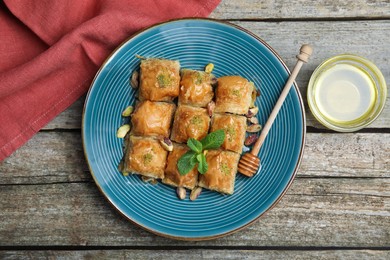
(195, 42)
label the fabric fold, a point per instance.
(51, 50)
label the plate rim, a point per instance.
(302, 146)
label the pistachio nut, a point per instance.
(148, 179)
(253, 128)
(253, 120)
(210, 108)
(252, 111)
(123, 130)
(166, 143)
(181, 193)
(195, 193)
(128, 110)
(251, 139)
(134, 79)
(209, 68)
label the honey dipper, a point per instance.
(249, 162)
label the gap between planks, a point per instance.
(308, 19)
(177, 248)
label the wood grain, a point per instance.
(314, 213)
(51, 157)
(346, 155)
(47, 157)
(364, 38)
(338, 207)
(301, 9)
(196, 254)
(54, 201)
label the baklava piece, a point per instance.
(152, 118)
(145, 156)
(234, 127)
(196, 88)
(172, 175)
(221, 173)
(233, 95)
(159, 79)
(190, 122)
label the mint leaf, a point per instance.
(194, 161)
(213, 140)
(195, 156)
(195, 145)
(202, 164)
(186, 162)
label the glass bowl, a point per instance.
(346, 93)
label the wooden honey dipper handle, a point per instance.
(303, 56)
(249, 162)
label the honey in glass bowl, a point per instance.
(346, 93)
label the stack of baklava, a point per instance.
(203, 105)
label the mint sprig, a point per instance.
(202, 164)
(196, 156)
(213, 140)
(195, 145)
(186, 162)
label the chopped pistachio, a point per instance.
(213, 81)
(166, 143)
(251, 139)
(210, 108)
(196, 120)
(253, 128)
(236, 92)
(127, 112)
(164, 79)
(195, 193)
(209, 68)
(134, 79)
(181, 193)
(121, 168)
(253, 120)
(231, 132)
(252, 112)
(149, 179)
(224, 168)
(198, 78)
(140, 57)
(123, 130)
(146, 178)
(148, 157)
(253, 100)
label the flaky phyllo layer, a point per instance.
(178, 104)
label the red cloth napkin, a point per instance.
(51, 50)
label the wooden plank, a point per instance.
(71, 118)
(314, 213)
(196, 254)
(364, 38)
(51, 157)
(346, 155)
(298, 9)
(47, 157)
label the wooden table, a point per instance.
(337, 207)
